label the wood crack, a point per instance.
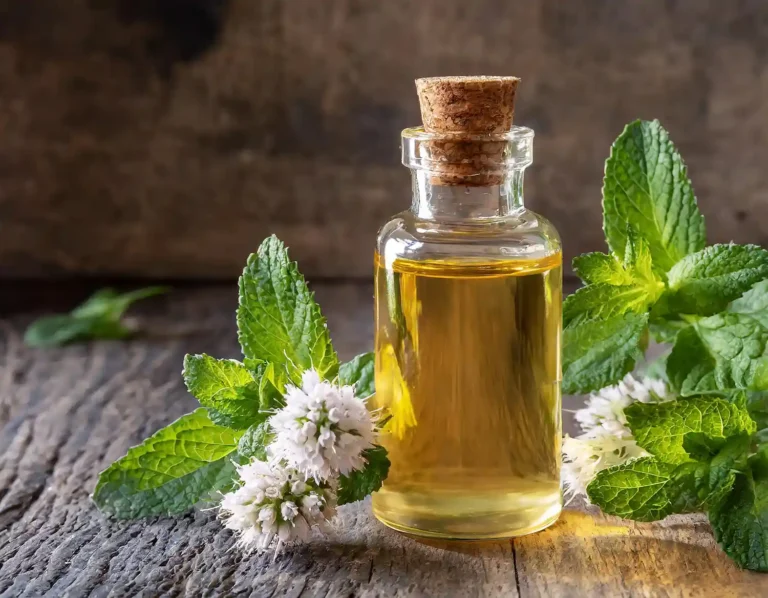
(515, 565)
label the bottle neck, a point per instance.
(460, 202)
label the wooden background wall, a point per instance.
(140, 137)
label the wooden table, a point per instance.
(65, 414)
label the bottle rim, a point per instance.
(482, 153)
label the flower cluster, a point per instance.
(323, 429)
(606, 440)
(319, 435)
(274, 501)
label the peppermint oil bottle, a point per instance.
(468, 320)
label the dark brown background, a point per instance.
(167, 138)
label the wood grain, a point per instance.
(67, 413)
(168, 138)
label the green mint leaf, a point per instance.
(705, 282)
(753, 303)
(638, 259)
(253, 443)
(690, 365)
(594, 268)
(731, 458)
(278, 319)
(647, 489)
(603, 300)
(628, 287)
(227, 421)
(359, 484)
(359, 373)
(598, 353)
(757, 405)
(646, 186)
(174, 469)
(720, 353)
(97, 318)
(740, 520)
(666, 331)
(272, 382)
(226, 386)
(661, 428)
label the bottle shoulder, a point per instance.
(521, 235)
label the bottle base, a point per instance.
(475, 526)
(504, 535)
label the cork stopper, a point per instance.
(461, 111)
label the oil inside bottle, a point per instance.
(467, 371)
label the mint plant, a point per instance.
(703, 450)
(285, 342)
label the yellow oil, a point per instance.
(468, 373)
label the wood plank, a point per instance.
(67, 413)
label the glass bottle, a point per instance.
(468, 286)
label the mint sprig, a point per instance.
(706, 451)
(282, 333)
(100, 317)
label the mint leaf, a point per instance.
(661, 428)
(253, 443)
(617, 288)
(224, 385)
(603, 300)
(359, 373)
(278, 319)
(720, 353)
(97, 318)
(598, 353)
(171, 471)
(647, 489)
(272, 382)
(596, 267)
(705, 282)
(753, 303)
(732, 458)
(740, 521)
(646, 186)
(359, 484)
(757, 405)
(690, 365)
(666, 331)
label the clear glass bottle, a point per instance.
(468, 289)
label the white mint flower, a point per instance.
(604, 410)
(323, 429)
(585, 456)
(274, 501)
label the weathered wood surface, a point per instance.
(66, 413)
(140, 137)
